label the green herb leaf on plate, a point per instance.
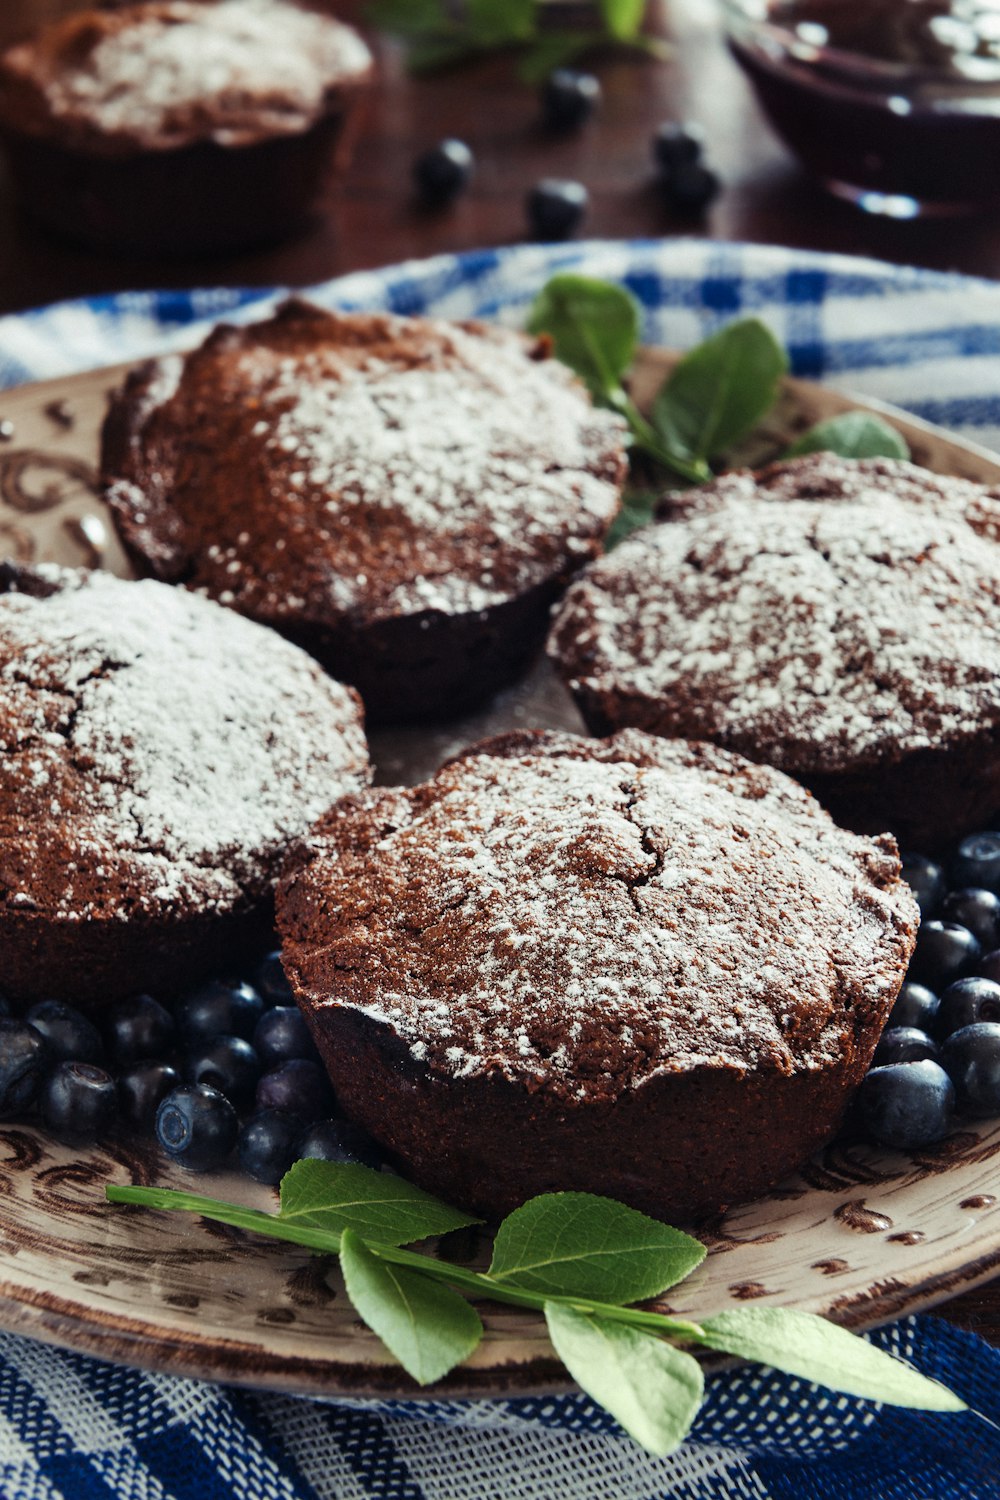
(381, 1208)
(582, 1245)
(852, 434)
(594, 327)
(653, 1389)
(429, 1328)
(719, 390)
(623, 18)
(808, 1346)
(492, 23)
(637, 510)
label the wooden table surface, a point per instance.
(373, 219)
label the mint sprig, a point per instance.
(577, 1258)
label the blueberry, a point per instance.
(676, 145)
(228, 1064)
(271, 982)
(915, 1005)
(569, 98)
(556, 207)
(442, 172)
(926, 880)
(340, 1140)
(71, 1037)
(967, 1001)
(988, 966)
(6, 1008)
(903, 1044)
(24, 1057)
(282, 1034)
(141, 1090)
(78, 1101)
(944, 951)
(267, 1144)
(691, 188)
(972, 1058)
(977, 862)
(220, 1008)
(976, 909)
(196, 1126)
(907, 1104)
(299, 1087)
(137, 1028)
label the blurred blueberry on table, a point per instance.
(915, 1005)
(220, 1008)
(677, 144)
(197, 1127)
(282, 1034)
(972, 1059)
(556, 208)
(24, 1059)
(228, 1064)
(977, 862)
(692, 187)
(271, 981)
(299, 1087)
(944, 951)
(689, 184)
(78, 1101)
(70, 1035)
(906, 1104)
(442, 172)
(976, 909)
(901, 1044)
(138, 1027)
(142, 1087)
(926, 880)
(967, 1001)
(267, 1144)
(339, 1140)
(569, 98)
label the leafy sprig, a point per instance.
(580, 1260)
(438, 33)
(712, 398)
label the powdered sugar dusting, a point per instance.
(247, 67)
(860, 621)
(583, 918)
(156, 750)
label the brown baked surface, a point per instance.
(383, 489)
(640, 967)
(158, 755)
(838, 619)
(160, 75)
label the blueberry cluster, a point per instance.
(940, 1053)
(556, 206)
(229, 1065)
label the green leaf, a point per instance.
(637, 510)
(493, 23)
(381, 1208)
(802, 1344)
(719, 390)
(852, 434)
(581, 1245)
(233, 1214)
(409, 17)
(623, 17)
(653, 1389)
(424, 54)
(594, 327)
(552, 49)
(429, 1328)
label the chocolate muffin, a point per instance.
(638, 967)
(838, 619)
(157, 757)
(179, 126)
(403, 497)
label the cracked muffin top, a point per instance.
(825, 614)
(156, 751)
(578, 916)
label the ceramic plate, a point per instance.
(860, 1235)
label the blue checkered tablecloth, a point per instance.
(72, 1427)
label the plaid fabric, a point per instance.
(72, 1427)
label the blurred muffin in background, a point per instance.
(180, 127)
